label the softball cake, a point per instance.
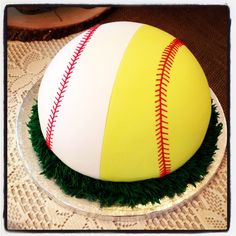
(123, 102)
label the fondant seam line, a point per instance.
(64, 84)
(161, 108)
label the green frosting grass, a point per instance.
(122, 193)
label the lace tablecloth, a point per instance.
(28, 207)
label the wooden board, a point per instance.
(45, 25)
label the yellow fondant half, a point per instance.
(131, 147)
(129, 150)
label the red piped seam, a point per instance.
(64, 83)
(161, 109)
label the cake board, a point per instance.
(93, 209)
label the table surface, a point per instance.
(205, 31)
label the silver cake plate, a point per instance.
(85, 207)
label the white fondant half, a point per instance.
(80, 125)
(51, 81)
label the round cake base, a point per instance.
(89, 208)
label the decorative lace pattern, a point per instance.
(29, 208)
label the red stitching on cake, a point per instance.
(64, 83)
(161, 112)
